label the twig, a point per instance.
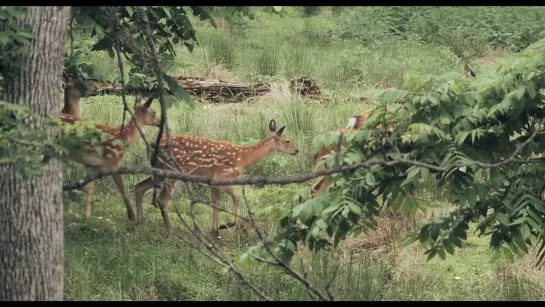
(161, 86)
(213, 249)
(329, 283)
(282, 264)
(115, 18)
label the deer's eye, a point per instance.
(287, 142)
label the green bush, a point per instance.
(465, 31)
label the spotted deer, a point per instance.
(324, 182)
(213, 159)
(112, 152)
(354, 124)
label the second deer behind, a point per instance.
(213, 159)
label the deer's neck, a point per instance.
(250, 155)
(129, 133)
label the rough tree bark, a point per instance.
(31, 230)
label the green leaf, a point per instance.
(508, 80)
(307, 211)
(370, 180)
(444, 121)
(331, 209)
(288, 10)
(177, 89)
(411, 239)
(502, 218)
(532, 90)
(396, 203)
(277, 8)
(129, 10)
(4, 37)
(321, 224)
(471, 198)
(392, 95)
(520, 92)
(167, 12)
(432, 254)
(448, 246)
(454, 240)
(355, 209)
(413, 171)
(244, 261)
(517, 239)
(441, 253)
(434, 232)
(508, 253)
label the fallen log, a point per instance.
(214, 90)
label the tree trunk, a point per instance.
(31, 230)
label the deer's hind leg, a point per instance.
(140, 190)
(164, 197)
(230, 190)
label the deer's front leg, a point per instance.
(118, 179)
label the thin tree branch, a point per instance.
(215, 251)
(161, 87)
(262, 181)
(282, 264)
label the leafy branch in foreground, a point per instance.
(107, 28)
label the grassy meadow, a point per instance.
(109, 258)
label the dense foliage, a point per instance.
(457, 126)
(468, 31)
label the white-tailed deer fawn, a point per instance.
(213, 159)
(354, 124)
(112, 153)
(324, 182)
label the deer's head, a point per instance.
(144, 114)
(281, 141)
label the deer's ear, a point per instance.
(137, 98)
(148, 102)
(280, 131)
(272, 126)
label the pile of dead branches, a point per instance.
(305, 86)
